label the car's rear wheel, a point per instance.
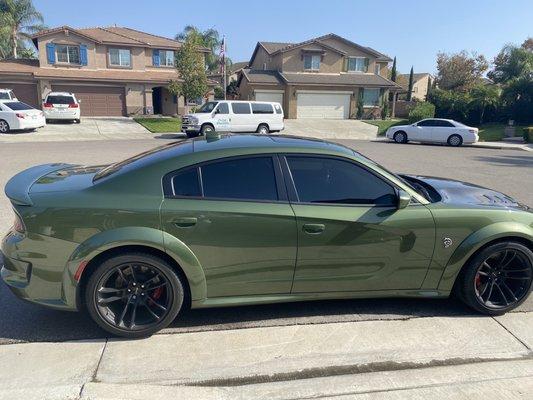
(400, 137)
(4, 126)
(263, 129)
(497, 279)
(134, 295)
(455, 141)
(77, 121)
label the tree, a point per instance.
(393, 71)
(528, 44)
(460, 71)
(232, 89)
(410, 87)
(19, 19)
(483, 96)
(191, 69)
(210, 39)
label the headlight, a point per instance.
(193, 120)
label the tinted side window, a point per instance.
(328, 180)
(241, 108)
(428, 122)
(223, 108)
(262, 108)
(243, 178)
(186, 183)
(445, 124)
(278, 108)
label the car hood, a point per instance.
(459, 192)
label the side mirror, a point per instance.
(404, 199)
(15, 99)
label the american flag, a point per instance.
(223, 55)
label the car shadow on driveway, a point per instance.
(512, 161)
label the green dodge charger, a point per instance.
(249, 219)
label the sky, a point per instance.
(413, 31)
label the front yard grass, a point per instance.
(160, 125)
(495, 132)
(384, 124)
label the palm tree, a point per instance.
(19, 19)
(210, 38)
(484, 96)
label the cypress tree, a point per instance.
(410, 87)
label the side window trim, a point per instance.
(291, 186)
(281, 187)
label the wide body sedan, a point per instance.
(249, 219)
(434, 130)
(16, 115)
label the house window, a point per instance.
(120, 57)
(371, 97)
(357, 64)
(377, 68)
(312, 62)
(67, 54)
(167, 58)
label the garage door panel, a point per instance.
(27, 93)
(323, 105)
(97, 101)
(269, 96)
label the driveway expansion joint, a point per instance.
(512, 334)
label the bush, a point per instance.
(528, 134)
(420, 111)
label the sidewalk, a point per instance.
(445, 357)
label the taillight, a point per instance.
(472, 130)
(18, 225)
(21, 116)
(48, 105)
(73, 105)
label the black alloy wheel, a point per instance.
(134, 295)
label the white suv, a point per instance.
(7, 94)
(61, 105)
(234, 116)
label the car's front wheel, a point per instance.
(4, 126)
(455, 141)
(207, 128)
(134, 295)
(498, 278)
(400, 137)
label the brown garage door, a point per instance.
(97, 101)
(26, 93)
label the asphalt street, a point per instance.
(506, 170)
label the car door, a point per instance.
(422, 131)
(234, 215)
(242, 117)
(351, 234)
(442, 130)
(222, 118)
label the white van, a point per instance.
(234, 116)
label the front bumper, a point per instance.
(190, 128)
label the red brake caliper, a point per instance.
(478, 281)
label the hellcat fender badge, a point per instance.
(447, 242)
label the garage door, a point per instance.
(269, 96)
(323, 105)
(97, 101)
(24, 92)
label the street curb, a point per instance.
(479, 145)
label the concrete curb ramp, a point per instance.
(441, 357)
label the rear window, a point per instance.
(262, 108)
(4, 96)
(18, 106)
(60, 99)
(241, 108)
(278, 108)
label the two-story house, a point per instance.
(114, 71)
(421, 85)
(324, 77)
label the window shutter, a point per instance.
(51, 53)
(381, 96)
(345, 65)
(83, 54)
(155, 58)
(366, 64)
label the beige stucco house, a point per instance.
(421, 84)
(114, 71)
(324, 77)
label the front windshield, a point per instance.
(207, 107)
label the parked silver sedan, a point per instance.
(434, 130)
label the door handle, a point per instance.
(314, 229)
(185, 222)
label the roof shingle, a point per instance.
(337, 79)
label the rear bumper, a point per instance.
(27, 123)
(67, 115)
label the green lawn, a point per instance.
(160, 125)
(384, 124)
(495, 132)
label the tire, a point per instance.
(4, 126)
(400, 137)
(503, 286)
(455, 141)
(207, 128)
(263, 129)
(126, 308)
(77, 121)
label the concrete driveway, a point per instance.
(91, 128)
(331, 129)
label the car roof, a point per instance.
(6, 90)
